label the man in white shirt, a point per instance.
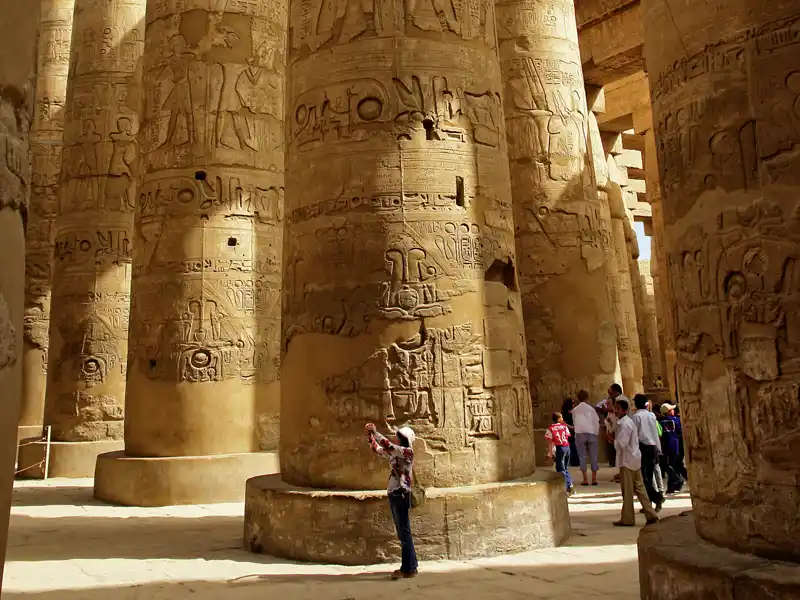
(629, 460)
(587, 428)
(649, 445)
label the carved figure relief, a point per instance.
(736, 289)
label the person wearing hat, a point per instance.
(671, 445)
(401, 460)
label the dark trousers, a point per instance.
(674, 480)
(400, 503)
(574, 460)
(611, 451)
(649, 459)
(562, 464)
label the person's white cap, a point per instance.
(407, 433)
(666, 407)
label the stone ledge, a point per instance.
(67, 459)
(677, 564)
(356, 528)
(170, 481)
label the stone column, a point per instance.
(18, 30)
(658, 262)
(654, 369)
(92, 259)
(47, 129)
(630, 360)
(401, 301)
(631, 256)
(562, 231)
(202, 396)
(640, 305)
(725, 107)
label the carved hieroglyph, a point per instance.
(726, 110)
(205, 330)
(563, 236)
(400, 299)
(92, 260)
(55, 33)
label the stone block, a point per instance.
(355, 527)
(134, 481)
(66, 459)
(675, 563)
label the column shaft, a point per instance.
(18, 29)
(562, 230)
(726, 112)
(206, 281)
(658, 264)
(401, 302)
(47, 130)
(91, 268)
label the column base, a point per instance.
(356, 528)
(28, 434)
(67, 459)
(677, 564)
(168, 481)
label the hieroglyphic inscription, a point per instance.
(399, 224)
(699, 152)
(92, 237)
(562, 227)
(209, 220)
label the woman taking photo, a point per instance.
(401, 462)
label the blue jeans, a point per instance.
(562, 464)
(400, 504)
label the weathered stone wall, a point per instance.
(401, 302)
(563, 240)
(55, 34)
(204, 337)
(727, 120)
(92, 259)
(18, 28)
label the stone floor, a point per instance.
(65, 546)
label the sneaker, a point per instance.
(659, 506)
(571, 491)
(623, 524)
(403, 574)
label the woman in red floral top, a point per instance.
(401, 460)
(558, 435)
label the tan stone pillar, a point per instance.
(654, 371)
(725, 83)
(202, 396)
(401, 301)
(18, 29)
(627, 333)
(631, 255)
(561, 229)
(639, 303)
(47, 129)
(92, 259)
(659, 269)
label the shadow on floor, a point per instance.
(606, 580)
(55, 495)
(94, 537)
